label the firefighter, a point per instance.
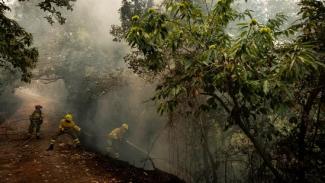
(67, 126)
(115, 139)
(36, 120)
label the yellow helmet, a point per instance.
(68, 117)
(125, 126)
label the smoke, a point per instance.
(75, 60)
(8, 105)
(127, 104)
(79, 59)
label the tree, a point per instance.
(15, 46)
(127, 11)
(309, 98)
(15, 50)
(251, 75)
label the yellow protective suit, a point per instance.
(64, 125)
(67, 127)
(117, 133)
(114, 140)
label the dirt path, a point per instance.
(27, 161)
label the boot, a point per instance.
(78, 147)
(38, 135)
(50, 148)
(29, 135)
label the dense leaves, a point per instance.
(252, 75)
(129, 11)
(16, 51)
(15, 46)
(52, 7)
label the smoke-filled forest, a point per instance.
(196, 91)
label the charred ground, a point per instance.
(26, 160)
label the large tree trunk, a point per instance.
(236, 115)
(205, 145)
(261, 150)
(305, 120)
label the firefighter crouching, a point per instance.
(67, 126)
(115, 139)
(36, 120)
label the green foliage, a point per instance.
(130, 12)
(251, 75)
(247, 66)
(309, 93)
(15, 46)
(51, 7)
(313, 24)
(16, 52)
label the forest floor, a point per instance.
(24, 160)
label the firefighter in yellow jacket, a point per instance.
(115, 139)
(67, 126)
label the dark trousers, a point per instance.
(34, 125)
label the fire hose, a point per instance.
(142, 151)
(131, 144)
